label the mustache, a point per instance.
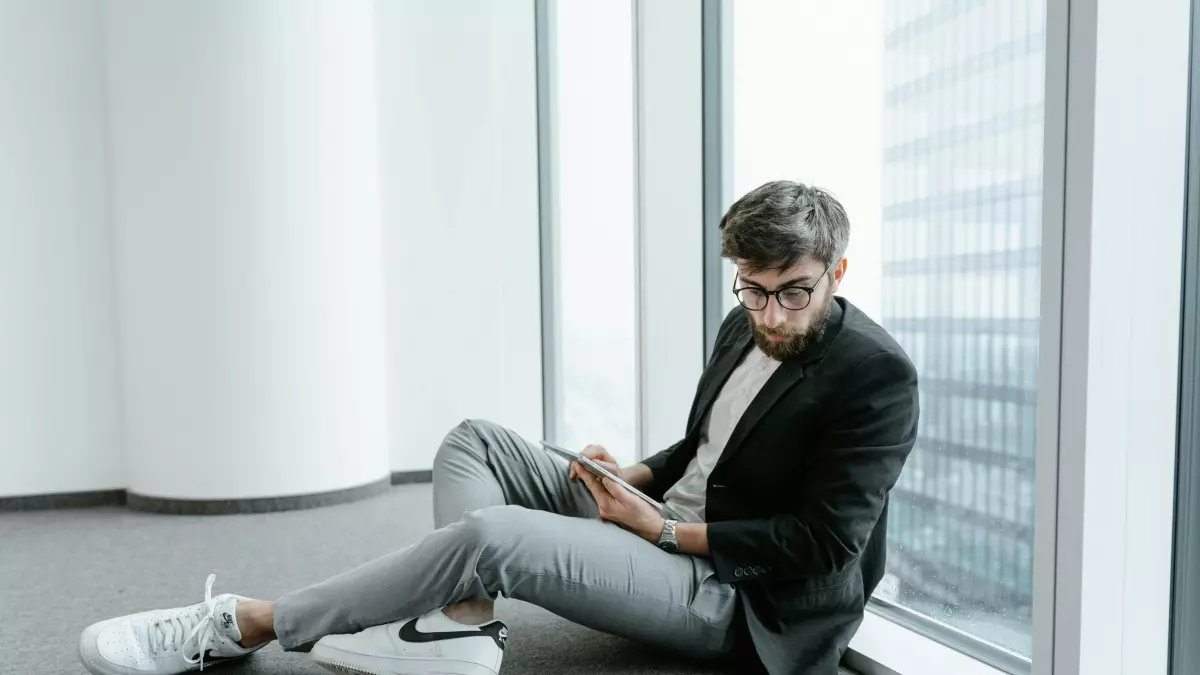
(776, 332)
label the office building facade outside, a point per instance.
(962, 183)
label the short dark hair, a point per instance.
(779, 224)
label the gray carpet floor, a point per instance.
(62, 570)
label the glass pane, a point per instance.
(594, 309)
(925, 118)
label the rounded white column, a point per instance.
(246, 210)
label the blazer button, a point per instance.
(737, 572)
(759, 570)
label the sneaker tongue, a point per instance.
(225, 618)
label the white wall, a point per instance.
(460, 214)
(245, 199)
(249, 315)
(59, 414)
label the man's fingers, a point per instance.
(589, 480)
(609, 465)
(604, 500)
(596, 452)
(616, 491)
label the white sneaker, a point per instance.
(168, 641)
(432, 643)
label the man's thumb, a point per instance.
(613, 488)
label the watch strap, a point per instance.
(667, 540)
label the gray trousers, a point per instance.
(510, 523)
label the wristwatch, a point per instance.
(667, 540)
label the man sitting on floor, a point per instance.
(771, 539)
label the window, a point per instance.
(593, 238)
(925, 118)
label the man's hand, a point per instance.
(637, 475)
(620, 506)
(599, 455)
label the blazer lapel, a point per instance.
(788, 375)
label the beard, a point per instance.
(797, 341)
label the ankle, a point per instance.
(471, 612)
(256, 621)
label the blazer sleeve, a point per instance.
(658, 464)
(856, 462)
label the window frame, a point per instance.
(547, 132)
(669, 352)
(716, 47)
(1185, 603)
(1117, 431)
(884, 646)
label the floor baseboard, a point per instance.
(221, 507)
(409, 477)
(116, 498)
(63, 500)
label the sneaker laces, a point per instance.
(167, 632)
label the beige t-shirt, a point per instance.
(685, 498)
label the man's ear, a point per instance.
(839, 271)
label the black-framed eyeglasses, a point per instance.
(755, 299)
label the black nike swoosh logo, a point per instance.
(410, 633)
(209, 658)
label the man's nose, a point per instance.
(774, 314)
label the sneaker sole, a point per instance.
(348, 663)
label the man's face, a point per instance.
(781, 332)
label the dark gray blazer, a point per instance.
(796, 505)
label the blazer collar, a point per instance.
(788, 375)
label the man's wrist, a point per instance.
(693, 538)
(653, 530)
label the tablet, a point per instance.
(598, 470)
